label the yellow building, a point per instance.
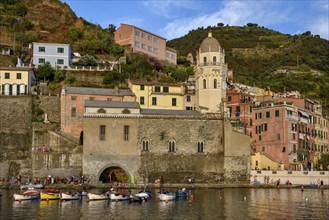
(262, 162)
(320, 134)
(158, 95)
(16, 80)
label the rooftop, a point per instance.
(16, 68)
(144, 30)
(169, 112)
(98, 91)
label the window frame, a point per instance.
(60, 49)
(102, 132)
(42, 49)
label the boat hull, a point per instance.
(45, 196)
(119, 197)
(19, 197)
(65, 196)
(166, 197)
(92, 196)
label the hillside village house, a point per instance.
(158, 95)
(16, 80)
(55, 54)
(138, 40)
(73, 106)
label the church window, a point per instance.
(215, 83)
(101, 110)
(205, 59)
(204, 84)
(171, 146)
(200, 146)
(145, 145)
(102, 129)
(126, 133)
(214, 60)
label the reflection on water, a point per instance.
(205, 204)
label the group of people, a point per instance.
(320, 184)
(73, 180)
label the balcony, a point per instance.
(293, 118)
(210, 64)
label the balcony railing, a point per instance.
(210, 64)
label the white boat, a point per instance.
(166, 196)
(84, 193)
(92, 196)
(141, 196)
(31, 186)
(20, 197)
(119, 197)
(67, 196)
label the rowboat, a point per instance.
(19, 197)
(119, 197)
(67, 196)
(46, 196)
(30, 192)
(52, 191)
(92, 196)
(181, 193)
(166, 196)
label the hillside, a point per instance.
(28, 21)
(256, 53)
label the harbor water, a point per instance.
(228, 203)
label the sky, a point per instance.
(175, 18)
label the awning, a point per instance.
(304, 114)
(290, 108)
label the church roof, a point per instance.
(210, 44)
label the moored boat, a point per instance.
(46, 196)
(20, 197)
(67, 196)
(93, 196)
(142, 196)
(166, 196)
(119, 197)
(181, 193)
(31, 186)
(52, 191)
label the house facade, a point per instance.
(73, 106)
(158, 95)
(55, 54)
(142, 41)
(16, 80)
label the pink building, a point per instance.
(240, 105)
(142, 41)
(73, 106)
(282, 132)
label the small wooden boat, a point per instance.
(21, 197)
(67, 196)
(46, 196)
(119, 197)
(181, 193)
(93, 196)
(31, 192)
(166, 196)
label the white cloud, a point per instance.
(320, 26)
(232, 13)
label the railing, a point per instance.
(210, 64)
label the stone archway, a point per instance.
(113, 173)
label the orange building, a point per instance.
(142, 41)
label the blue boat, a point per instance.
(181, 193)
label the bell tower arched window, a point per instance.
(204, 84)
(214, 60)
(205, 59)
(215, 83)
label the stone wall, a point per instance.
(52, 106)
(15, 135)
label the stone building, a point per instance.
(174, 144)
(72, 106)
(126, 139)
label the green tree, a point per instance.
(70, 79)
(46, 71)
(111, 29)
(87, 60)
(324, 161)
(59, 74)
(74, 33)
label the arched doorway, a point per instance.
(114, 174)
